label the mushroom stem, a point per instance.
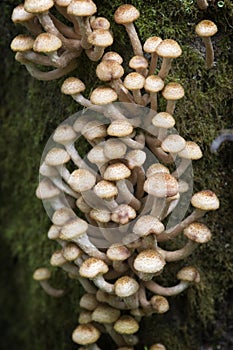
(209, 58)
(118, 339)
(165, 67)
(53, 292)
(125, 193)
(166, 291)
(153, 63)
(180, 253)
(184, 164)
(134, 39)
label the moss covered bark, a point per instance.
(30, 110)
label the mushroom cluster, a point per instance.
(112, 210)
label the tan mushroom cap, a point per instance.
(46, 190)
(72, 86)
(108, 70)
(96, 155)
(191, 151)
(81, 180)
(82, 205)
(94, 129)
(47, 170)
(114, 148)
(126, 14)
(135, 158)
(149, 261)
(84, 317)
(123, 214)
(81, 8)
(157, 347)
(100, 23)
(126, 325)
(156, 168)
(71, 252)
(161, 185)
(120, 128)
(205, 200)
(105, 189)
(64, 134)
(56, 156)
(100, 38)
(62, 3)
(46, 42)
(62, 215)
(197, 232)
(93, 267)
(118, 252)
(100, 215)
(19, 14)
(138, 62)
(189, 274)
(151, 44)
(85, 334)
(125, 286)
(173, 143)
(41, 274)
(134, 81)
(103, 95)
(159, 304)
(38, 6)
(22, 43)
(75, 227)
(173, 91)
(206, 28)
(153, 83)
(147, 224)
(53, 232)
(57, 258)
(113, 56)
(117, 171)
(105, 314)
(88, 301)
(163, 120)
(169, 48)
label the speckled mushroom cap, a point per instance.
(189, 274)
(147, 224)
(62, 215)
(159, 304)
(105, 189)
(82, 205)
(151, 44)
(64, 134)
(134, 81)
(57, 258)
(114, 148)
(153, 83)
(105, 314)
(100, 37)
(53, 232)
(88, 301)
(99, 23)
(161, 185)
(85, 334)
(173, 143)
(173, 91)
(71, 252)
(120, 128)
(94, 129)
(126, 325)
(138, 62)
(197, 232)
(93, 267)
(126, 14)
(41, 274)
(19, 15)
(118, 252)
(113, 56)
(38, 6)
(56, 156)
(163, 120)
(74, 228)
(126, 286)
(103, 95)
(72, 86)
(81, 180)
(191, 151)
(149, 261)
(206, 28)
(205, 200)
(100, 215)
(81, 8)
(169, 48)
(96, 155)
(63, 3)
(116, 171)
(46, 190)
(108, 70)
(157, 347)
(123, 214)
(46, 42)
(156, 168)
(135, 158)
(22, 43)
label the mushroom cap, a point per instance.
(191, 151)
(84, 317)
(46, 42)
(85, 334)
(156, 168)
(96, 155)
(88, 301)
(118, 252)
(120, 128)
(157, 347)
(62, 215)
(151, 44)
(125, 286)
(81, 180)
(47, 170)
(94, 129)
(100, 23)
(114, 148)
(22, 43)
(153, 83)
(149, 261)
(163, 120)
(56, 156)
(103, 95)
(159, 304)
(173, 143)
(57, 258)
(100, 38)
(108, 70)
(126, 14)
(161, 185)
(135, 158)
(38, 6)
(64, 134)
(71, 252)
(53, 232)
(82, 205)
(197, 232)
(105, 189)
(205, 200)
(126, 325)
(74, 228)
(206, 28)
(100, 215)
(63, 3)
(105, 314)
(72, 86)
(116, 171)
(173, 91)
(134, 81)
(113, 56)
(46, 190)
(81, 8)
(147, 224)
(168, 48)
(93, 267)
(138, 62)
(41, 274)
(189, 274)
(19, 14)
(81, 121)
(123, 214)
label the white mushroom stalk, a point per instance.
(42, 275)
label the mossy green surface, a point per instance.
(30, 110)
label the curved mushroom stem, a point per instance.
(103, 285)
(89, 248)
(226, 135)
(166, 291)
(64, 29)
(111, 300)
(180, 253)
(129, 198)
(152, 143)
(139, 192)
(53, 292)
(209, 58)
(134, 39)
(57, 181)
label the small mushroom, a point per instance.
(168, 49)
(85, 334)
(172, 92)
(150, 47)
(205, 29)
(42, 275)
